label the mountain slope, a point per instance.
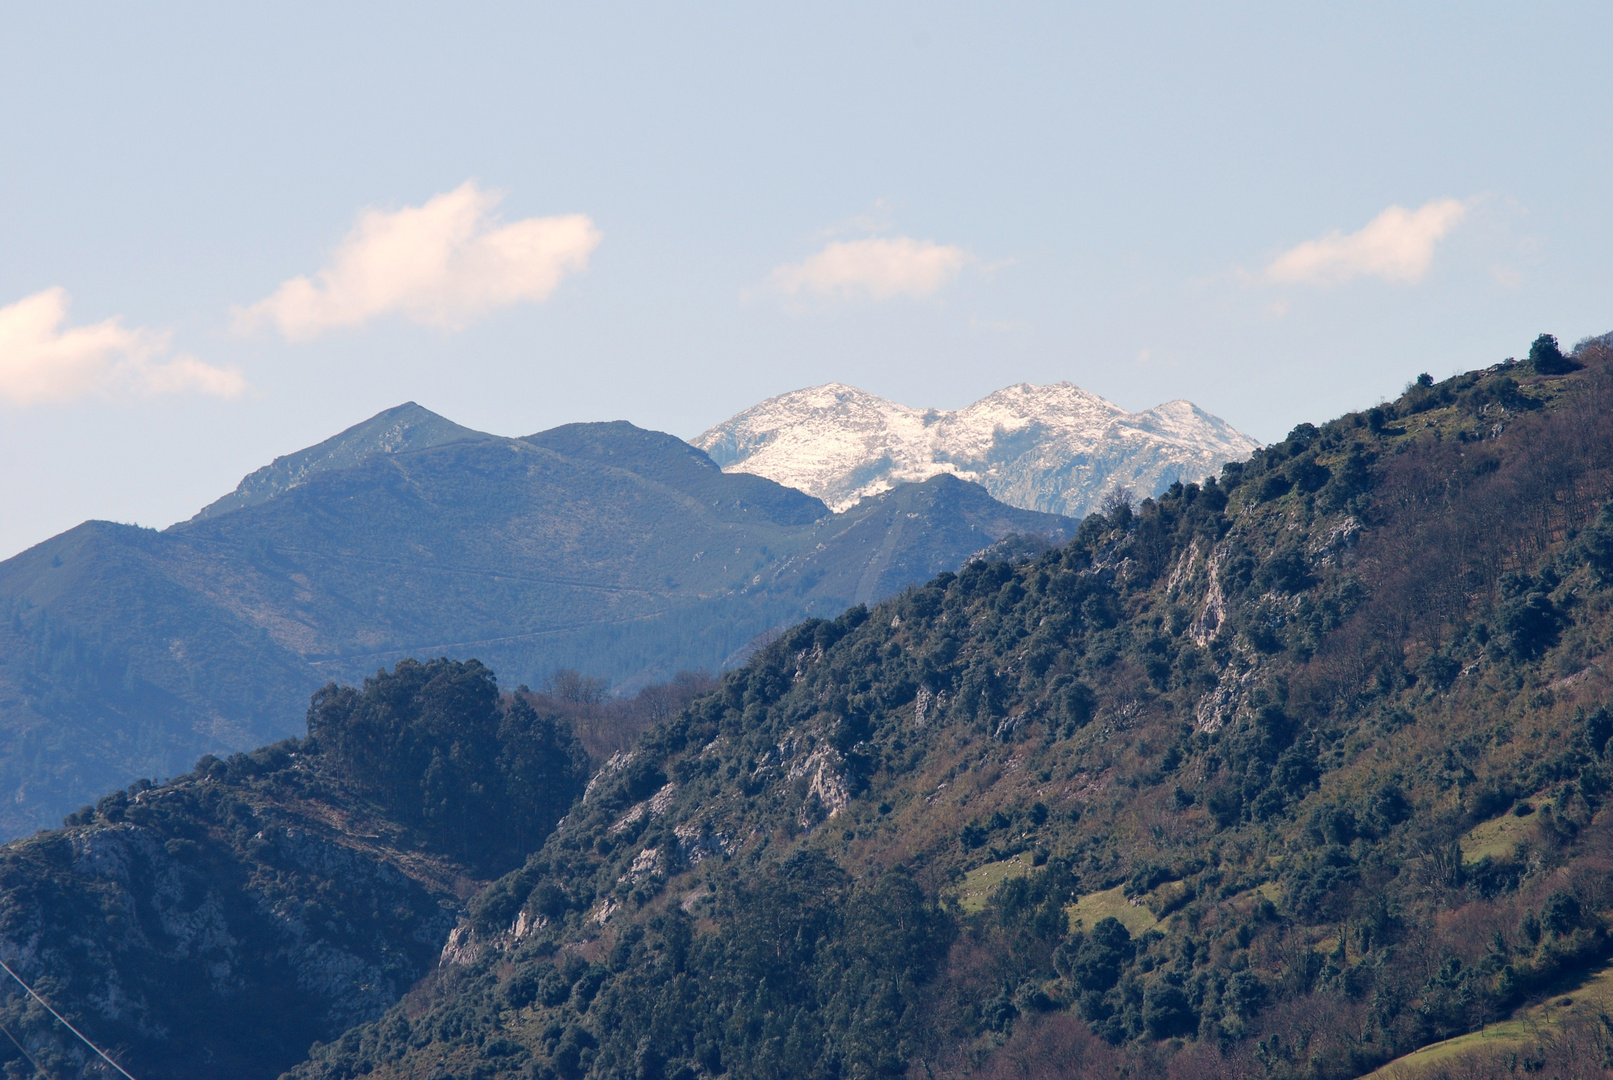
(1281, 775)
(217, 925)
(1057, 449)
(404, 427)
(622, 553)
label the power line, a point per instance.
(84, 1038)
(21, 1049)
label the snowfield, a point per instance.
(1058, 449)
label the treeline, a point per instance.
(607, 724)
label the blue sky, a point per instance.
(227, 232)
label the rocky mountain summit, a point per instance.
(1058, 449)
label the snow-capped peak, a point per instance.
(1054, 448)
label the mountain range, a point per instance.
(1058, 449)
(623, 553)
(1292, 773)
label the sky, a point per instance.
(230, 231)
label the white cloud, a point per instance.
(1397, 245)
(41, 359)
(879, 268)
(442, 264)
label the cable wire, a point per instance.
(82, 1037)
(21, 1049)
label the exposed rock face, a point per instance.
(1057, 449)
(171, 935)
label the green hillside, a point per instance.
(1284, 775)
(622, 553)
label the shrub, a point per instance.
(1548, 358)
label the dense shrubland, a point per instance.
(1280, 775)
(1326, 735)
(217, 924)
(436, 746)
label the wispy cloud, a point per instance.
(878, 268)
(42, 359)
(877, 220)
(444, 264)
(1397, 246)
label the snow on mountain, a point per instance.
(1058, 449)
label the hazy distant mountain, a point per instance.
(404, 427)
(1058, 449)
(624, 553)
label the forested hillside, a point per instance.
(1283, 775)
(620, 552)
(216, 925)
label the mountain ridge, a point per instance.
(1252, 779)
(216, 925)
(403, 427)
(1284, 775)
(624, 553)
